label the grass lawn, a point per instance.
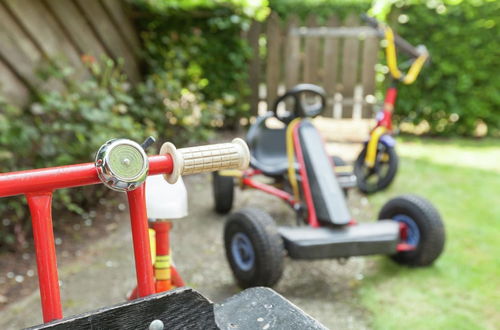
(462, 289)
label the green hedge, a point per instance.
(323, 9)
(206, 36)
(460, 88)
(68, 127)
(195, 77)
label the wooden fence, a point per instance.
(339, 56)
(35, 31)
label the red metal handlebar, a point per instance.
(49, 179)
(38, 185)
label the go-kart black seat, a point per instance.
(267, 147)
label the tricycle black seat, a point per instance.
(267, 147)
(380, 237)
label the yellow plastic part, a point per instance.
(343, 169)
(371, 150)
(233, 173)
(291, 158)
(392, 62)
(162, 262)
(152, 244)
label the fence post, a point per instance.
(349, 66)
(370, 59)
(292, 53)
(254, 67)
(311, 59)
(330, 64)
(273, 57)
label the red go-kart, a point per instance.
(409, 228)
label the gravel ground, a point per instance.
(103, 274)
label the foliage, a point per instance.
(256, 9)
(67, 127)
(459, 89)
(205, 42)
(323, 9)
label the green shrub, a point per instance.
(68, 127)
(323, 9)
(460, 86)
(203, 39)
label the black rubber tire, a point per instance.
(430, 226)
(267, 245)
(363, 173)
(223, 192)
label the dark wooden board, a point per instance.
(178, 309)
(262, 308)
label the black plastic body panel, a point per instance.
(328, 197)
(380, 237)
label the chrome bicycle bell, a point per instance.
(122, 164)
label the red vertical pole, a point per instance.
(140, 237)
(41, 216)
(162, 262)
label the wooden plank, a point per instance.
(292, 54)
(12, 89)
(253, 36)
(116, 10)
(21, 54)
(250, 310)
(341, 31)
(311, 57)
(46, 33)
(349, 65)
(370, 59)
(75, 24)
(181, 308)
(273, 58)
(110, 37)
(22, 58)
(330, 64)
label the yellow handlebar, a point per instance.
(392, 62)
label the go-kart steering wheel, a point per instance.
(301, 108)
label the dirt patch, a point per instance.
(18, 272)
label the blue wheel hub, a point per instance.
(412, 231)
(242, 251)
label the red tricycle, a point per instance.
(123, 165)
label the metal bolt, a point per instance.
(156, 325)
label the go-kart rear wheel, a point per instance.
(424, 229)
(223, 191)
(254, 248)
(380, 176)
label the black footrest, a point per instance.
(380, 237)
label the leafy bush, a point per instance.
(321, 8)
(459, 89)
(203, 40)
(68, 127)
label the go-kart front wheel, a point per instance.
(254, 248)
(378, 177)
(423, 229)
(223, 192)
